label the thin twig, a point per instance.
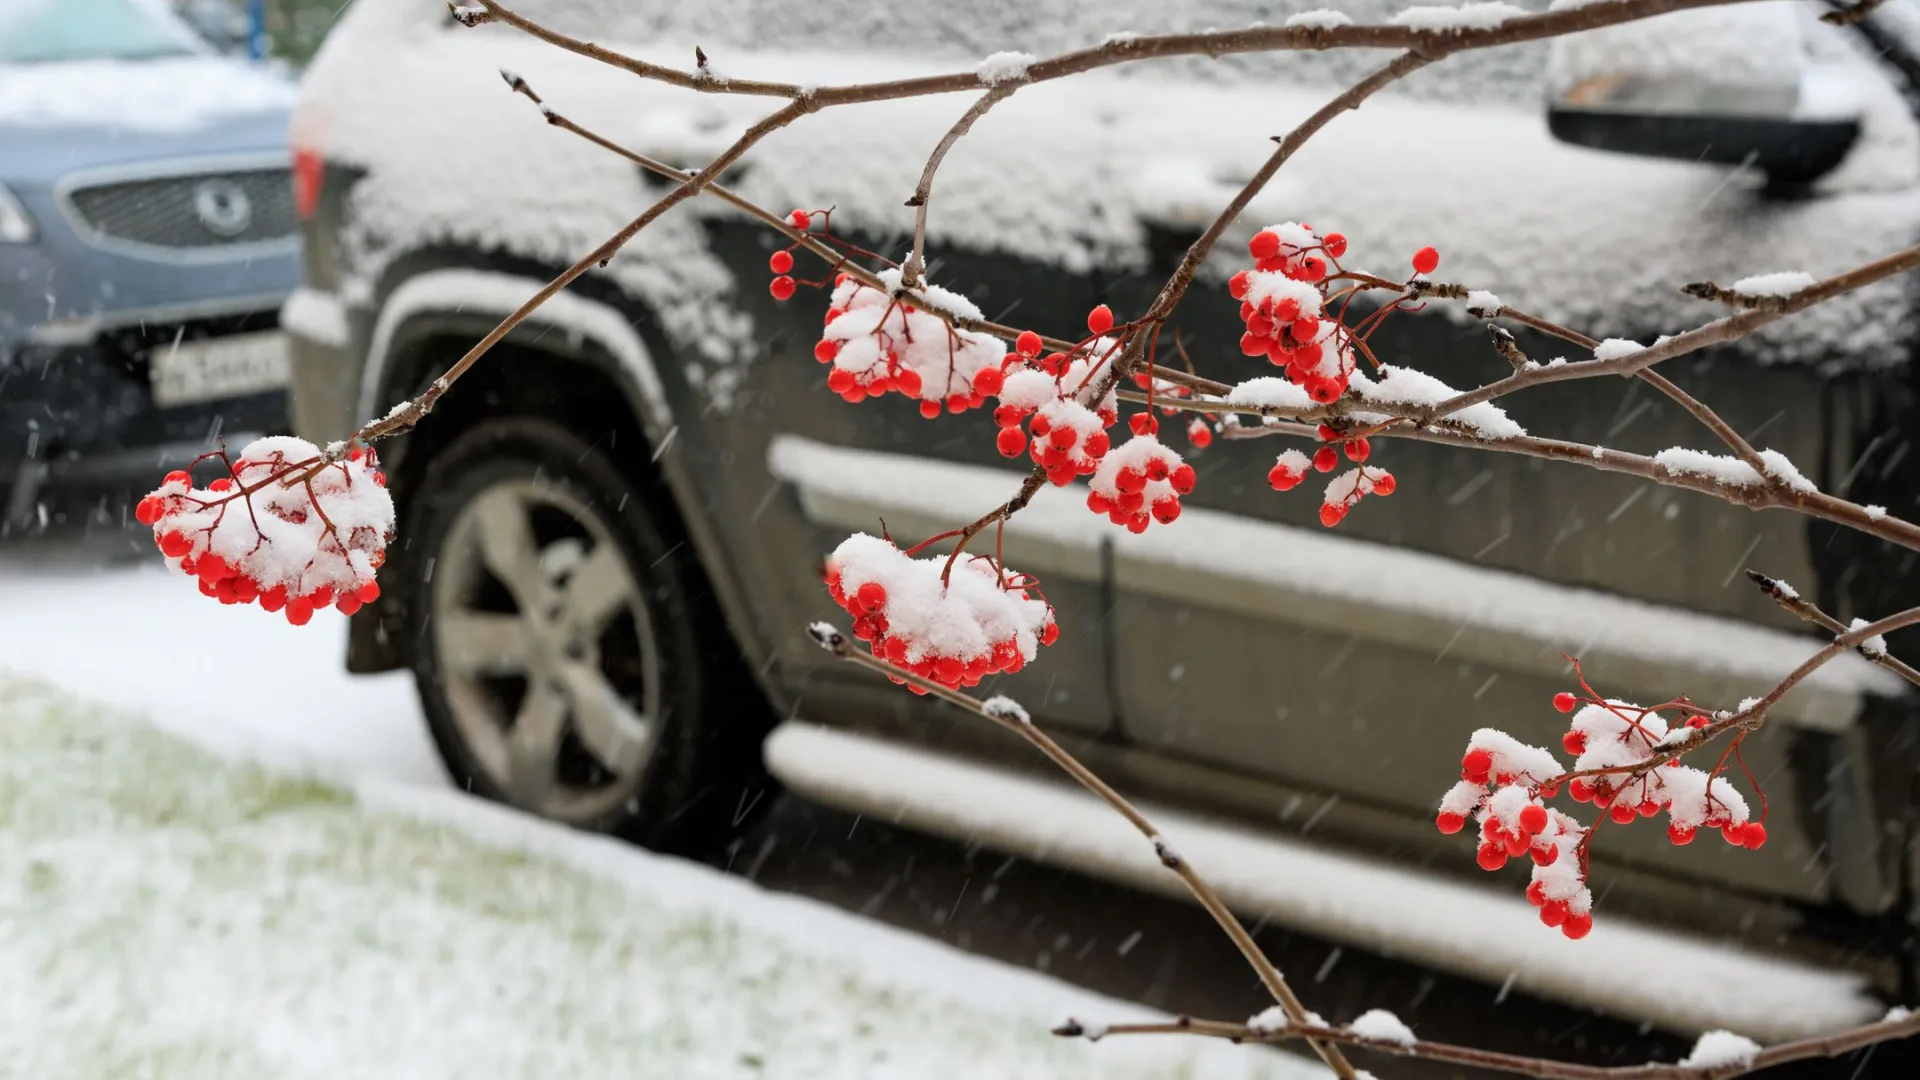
(1786, 597)
(841, 646)
(916, 262)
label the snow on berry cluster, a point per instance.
(1064, 432)
(1343, 491)
(876, 343)
(1504, 784)
(1142, 481)
(979, 621)
(262, 533)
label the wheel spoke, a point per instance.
(599, 588)
(533, 744)
(479, 643)
(604, 721)
(507, 547)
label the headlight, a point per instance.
(15, 226)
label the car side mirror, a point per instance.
(1729, 86)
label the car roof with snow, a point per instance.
(1067, 172)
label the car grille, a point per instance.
(202, 210)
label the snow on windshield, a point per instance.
(33, 31)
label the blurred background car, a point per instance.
(148, 237)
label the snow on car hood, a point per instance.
(1066, 172)
(169, 95)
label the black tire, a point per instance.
(702, 778)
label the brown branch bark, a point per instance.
(1783, 595)
(1818, 1046)
(923, 193)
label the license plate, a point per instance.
(222, 367)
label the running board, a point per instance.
(1624, 969)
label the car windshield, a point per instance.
(48, 30)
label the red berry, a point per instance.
(1579, 790)
(1286, 310)
(1027, 344)
(1681, 835)
(1565, 702)
(1006, 416)
(781, 262)
(1166, 510)
(1533, 819)
(1282, 480)
(1237, 285)
(872, 595)
(1336, 244)
(1733, 833)
(1011, 441)
(825, 351)
(1143, 424)
(150, 510)
(1304, 329)
(1754, 836)
(1554, 912)
(1323, 391)
(1536, 893)
(299, 611)
(1544, 856)
(1096, 445)
(907, 382)
(1475, 765)
(1061, 438)
(1358, 450)
(1254, 345)
(1623, 812)
(1331, 514)
(840, 380)
(1577, 926)
(781, 287)
(800, 219)
(1491, 857)
(1050, 633)
(368, 593)
(1425, 260)
(1199, 434)
(222, 484)
(1450, 823)
(988, 380)
(175, 545)
(178, 476)
(1324, 459)
(1384, 484)
(1574, 742)
(1264, 245)
(1100, 319)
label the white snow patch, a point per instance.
(1005, 708)
(1319, 19)
(1482, 303)
(1720, 468)
(1784, 470)
(1615, 348)
(1382, 1026)
(1479, 16)
(1874, 512)
(1405, 387)
(169, 95)
(1718, 1049)
(198, 917)
(1782, 283)
(1004, 67)
(1875, 646)
(318, 316)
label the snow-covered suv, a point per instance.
(611, 531)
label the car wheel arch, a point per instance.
(605, 363)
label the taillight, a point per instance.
(309, 171)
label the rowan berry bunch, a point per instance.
(876, 343)
(278, 529)
(1140, 482)
(1617, 748)
(1283, 302)
(1063, 434)
(1343, 491)
(953, 623)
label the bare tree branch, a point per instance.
(923, 194)
(1784, 595)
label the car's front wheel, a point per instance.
(562, 659)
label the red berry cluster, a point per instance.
(1343, 491)
(1062, 435)
(1281, 303)
(781, 262)
(956, 632)
(268, 532)
(1615, 745)
(1140, 482)
(876, 344)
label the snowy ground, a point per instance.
(166, 911)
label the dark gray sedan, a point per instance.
(148, 235)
